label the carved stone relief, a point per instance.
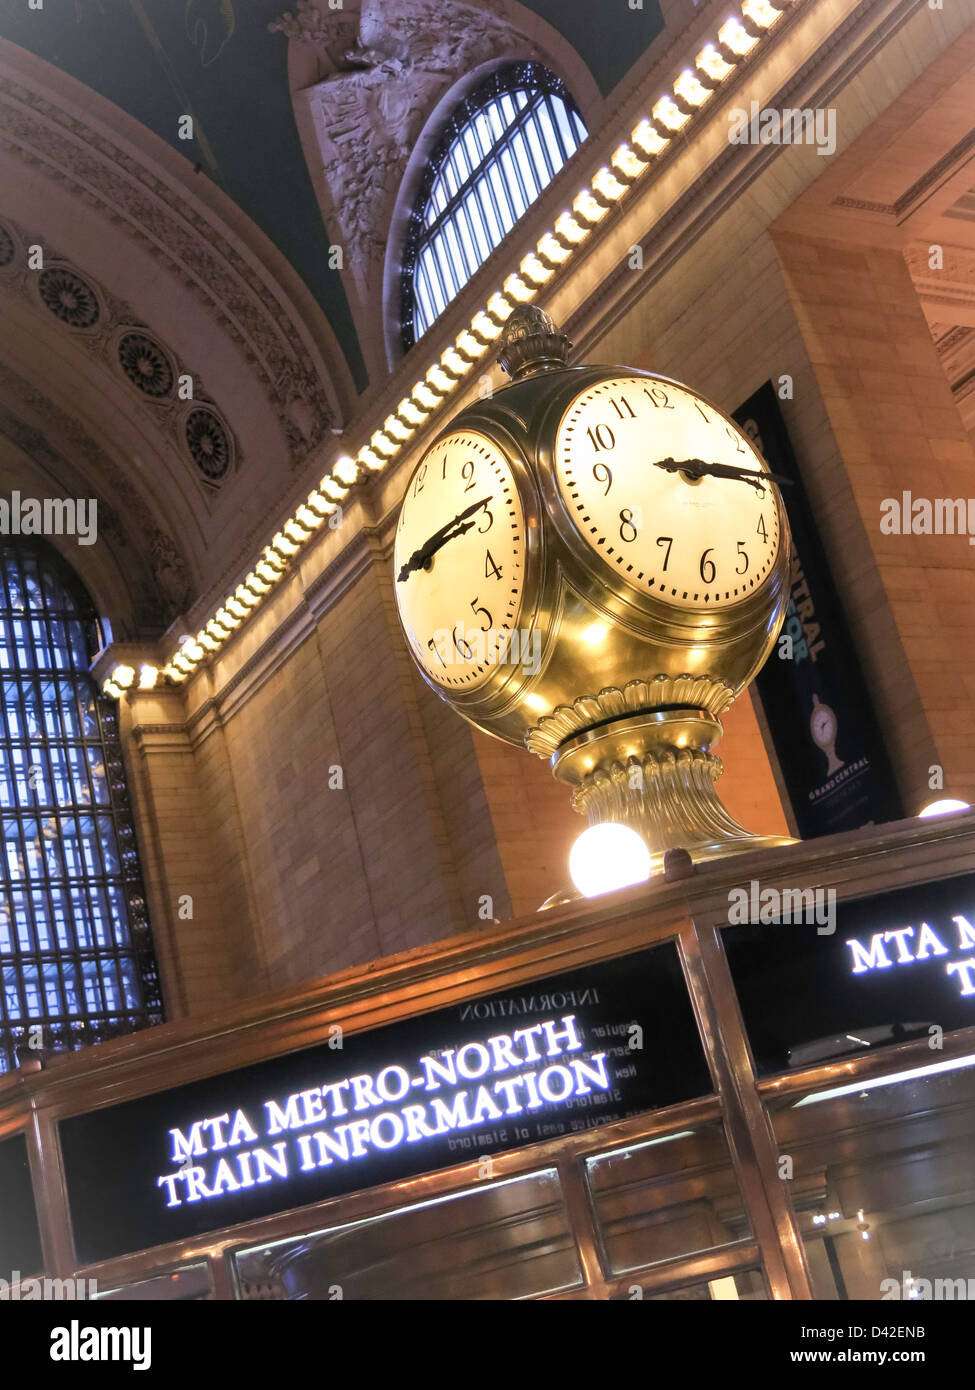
(370, 112)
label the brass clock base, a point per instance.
(655, 772)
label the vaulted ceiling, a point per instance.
(225, 64)
(179, 341)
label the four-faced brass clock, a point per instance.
(594, 562)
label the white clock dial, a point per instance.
(697, 543)
(459, 560)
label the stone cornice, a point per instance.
(815, 84)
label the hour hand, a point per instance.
(451, 531)
(697, 468)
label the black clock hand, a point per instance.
(450, 532)
(697, 468)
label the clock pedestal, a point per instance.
(655, 772)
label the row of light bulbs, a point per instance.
(649, 139)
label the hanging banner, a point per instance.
(816, 702)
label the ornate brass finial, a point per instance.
(531, 343)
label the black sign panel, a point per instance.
(600, 1043)
(894, 966)
(20, 1241)
(815, 699)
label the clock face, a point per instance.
(459, 560)
(699, 543)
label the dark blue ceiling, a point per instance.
(215, 60)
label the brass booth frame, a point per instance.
(688, 912)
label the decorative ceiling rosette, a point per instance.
(146, 365)
(68, 297)
(208, 442)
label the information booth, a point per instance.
(678, 1092)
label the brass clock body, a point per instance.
(584, 620)
(647, 594)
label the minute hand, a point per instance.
(450, 532)
(697, 468)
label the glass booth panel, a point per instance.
(20, 1240)
(190, 1284)
(666, 1198)
(504, 1240)
(884, 1183)
(746, 1286)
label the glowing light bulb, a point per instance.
(945, 807)
(607, 857)
(711, 63)
(552, 249)
(668, 113)
(585, 207)
(532, 269)
(736, 37)
(426, 400)
(334, 489)
(468, 346)
(499, 308)
(690, 88)
(283, 545)
(438, 379)
(606, 183)
(485, 327)
(570, 229)
(398, 429)
(760, 12)
(123, 676)
(628, 161)
(647, 138)
(412, 413)
(345, 468)
(148, 675)
(516, 288)
(309, 519)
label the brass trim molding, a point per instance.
(613, 702)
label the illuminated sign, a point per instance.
(514, 1071)
(898, 965)
(910, 944)
(497, 1072)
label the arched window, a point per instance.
(75, 951)
(503, 144)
